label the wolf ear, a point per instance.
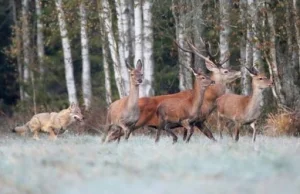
(72, 105)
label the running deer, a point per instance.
(219, 74)
(125, 112)
(241, 109)
(176, 112)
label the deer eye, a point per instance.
(226, 71)
(203, 77)
(260, 78)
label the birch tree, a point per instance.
(123, 35)
(67, 53)
(138, 30)
(112, 44)
(184, 58)
(224, 30)
(86, 69)
(39, 37)
(146, 86)
(296, 25)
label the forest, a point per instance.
(57, 52)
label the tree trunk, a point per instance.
(26, 42)
(146, 87)
(86, 69)
(18, 48)
(224, 31)
(246, 81)
(40, 37)
(184, 58)
(107, 22)
(273, 58)
(121, 45)
(297, 25)
(67, 53)
(138, 29)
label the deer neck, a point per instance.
(133, 96)
(255, 103)
(197, 98)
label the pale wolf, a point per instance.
(51, 122)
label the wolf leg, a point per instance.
(52, 135)
(35, 135)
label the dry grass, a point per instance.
(284, 122)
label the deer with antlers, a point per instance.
(175, 112)
(220, 75)
(242, 109)
(125, 112)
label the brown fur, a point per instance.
(221, 76)
(182, 111)
(243, 109)
(51, 122)
(125, 112)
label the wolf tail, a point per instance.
(20, 129)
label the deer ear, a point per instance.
(210, 65)
(252, 71)
(139, 65)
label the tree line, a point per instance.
(57, 52)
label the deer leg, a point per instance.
(188, 128)
(169, 130)
(254, 131)
(219, 124)
(184, 134)
(158, 132)
(237, 132)
(106, 130)
(201, 126)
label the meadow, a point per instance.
(82, 164)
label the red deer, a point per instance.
(125, 112)
(243, 109)
(175, 112)
(221, 76)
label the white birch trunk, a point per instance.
(67, 53)
(225, 30)
(184, 58)
(40, 37)
(146, 88)
(246, 81)
(26, 41)
(273, 60)
(86, 67)
(121, 45)
(138, 29)
(107, 22)
(106, 74)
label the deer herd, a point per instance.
(190, 108)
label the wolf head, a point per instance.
(75, 112)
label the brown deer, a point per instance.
(221, 76)
(125, 112)
(242, 109)
(175, 112)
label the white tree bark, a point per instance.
(184, 58)
(273, 62)
(246, 81)
(296, 25)
(26, 41)
(107, 22)
(146, 88)
(40, 37)
(138, 29)
(67, 53)
(225, 30)
(120, 4)
(86, 69)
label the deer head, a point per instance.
(259, 80)
(204, 80)
(136, 74)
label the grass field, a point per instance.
(81, 164)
